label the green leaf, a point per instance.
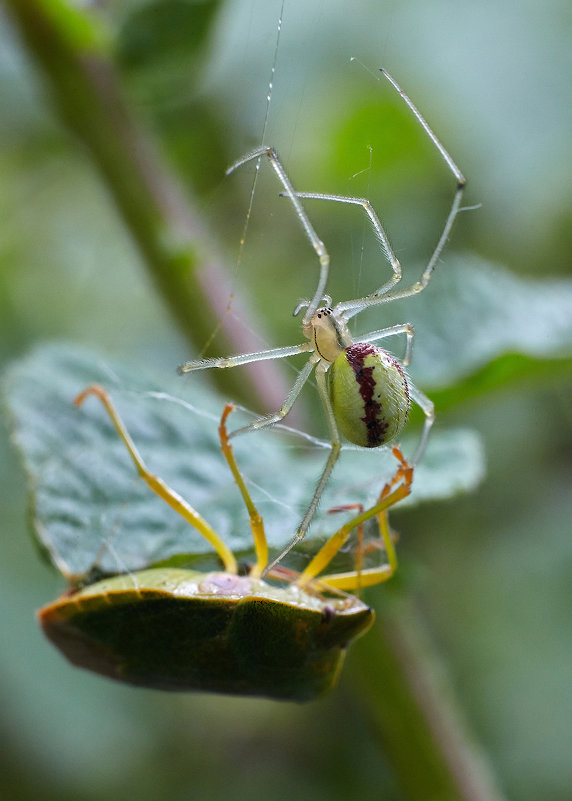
(90, 508)
(479, 327)
(501, 372)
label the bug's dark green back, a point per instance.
(253, 645)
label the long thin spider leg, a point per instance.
(337, 540)
(421, 120)
(158, 486)
(420, 285)
(384, 293)
(315, 240)
(270, 420)
(428, 409)
(405, 328)
(455, 206)
(327, 471)
(377, 226)
(245, 358)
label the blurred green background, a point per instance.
(493, 569)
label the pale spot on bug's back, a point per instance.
(225, 584)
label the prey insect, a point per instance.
(224, 631)
(363, 389)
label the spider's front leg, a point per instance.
(223, 362)
(386, 292)
(248, 358)
(314, 239)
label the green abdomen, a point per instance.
(369, 395)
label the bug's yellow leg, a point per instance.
(360, 543)
(158, 486)
(254, 516)
(387, 498)
(358, 578)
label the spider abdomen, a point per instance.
(369, 395)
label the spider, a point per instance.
(363, 389)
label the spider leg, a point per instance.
(380, 234)
(418, 286)
(428, 409)
(455, 206)
(327, 471)
(293, 196)
(271, 419)
(245, 358)
(422, 122)
(405, 328)
(384, 293)
(403, 478)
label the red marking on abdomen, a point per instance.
(375, 424)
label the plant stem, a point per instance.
(405, 692)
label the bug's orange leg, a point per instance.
(158, 486)
(254, 516)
